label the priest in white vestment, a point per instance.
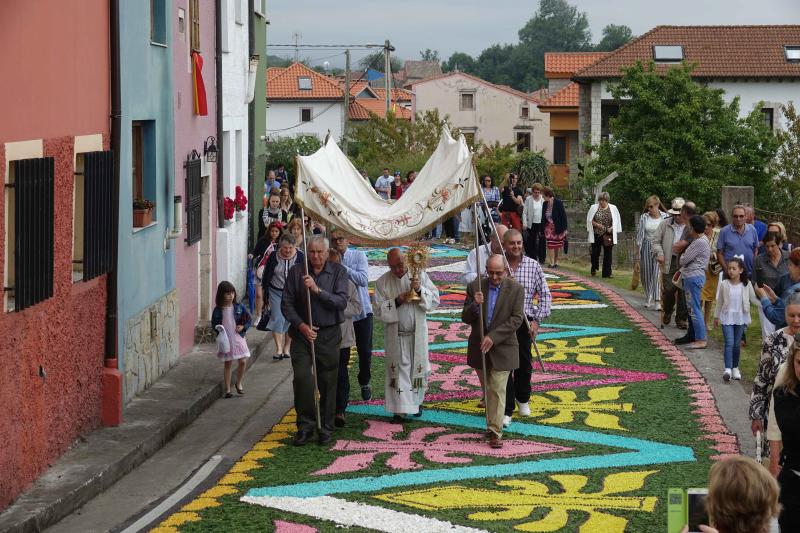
(405, 334)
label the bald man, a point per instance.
(502, 317)
(405, 334)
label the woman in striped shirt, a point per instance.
(694, 262)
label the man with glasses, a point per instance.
(355, 263)
(502, 317)
(529, 274)
(737, 238)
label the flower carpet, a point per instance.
(618, 416)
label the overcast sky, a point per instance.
(472, 25)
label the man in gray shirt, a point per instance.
(328, 284)
(384, 184)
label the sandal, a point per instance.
(277, 357)
(229, 394)
(285, 356)
(239, 389)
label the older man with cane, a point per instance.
(494, 308)
(314, 300)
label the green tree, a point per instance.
(495, 160)
(495, 64)
(786, 166)
(614, 36)
(556, 26)
(376, 61)
(282, 150)
(532, 167)
(429, 55)
(675, 137)
(461, 62)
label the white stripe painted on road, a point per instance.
(345, 513)
(181, 492)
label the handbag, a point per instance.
(608, 239)
(635, 277)
(677, 280)
(262, 323)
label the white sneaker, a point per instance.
(648, 304)
(736, 374)
(524, 409)
(256, 320)
(506, 421)
(658, 306)
(726, 376)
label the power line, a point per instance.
(342, 46)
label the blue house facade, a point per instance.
(147, 307)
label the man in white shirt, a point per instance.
(534, 220)
(486, 251)
(384, 184)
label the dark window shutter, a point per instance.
(194, 200)
(34, 212)
(98, 203)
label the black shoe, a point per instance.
(683, 340)
(338, 421)
(418, 413)
(366, 392)
(324, 438)
(397, 419)
(229, 395)
(682, 325)
(594, 272)
(301, 438)
(285, 356)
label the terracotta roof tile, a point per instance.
(565, 63)
(565, 97)
(378, 107)
(398, 95)
(718, 51)
(282, 84)
(357, 111)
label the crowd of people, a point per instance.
(699, 269)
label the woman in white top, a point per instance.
(533, 220)
(734, 296)
(650, 273)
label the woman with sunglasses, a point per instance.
(654, 212)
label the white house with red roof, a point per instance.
(758, 64)
(486, 112)
(301, 101)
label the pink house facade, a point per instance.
(195, 177)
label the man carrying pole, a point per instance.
(529, 274)
(496, 353)
(314, 299)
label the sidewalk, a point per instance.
(731, 398)
(98, 460)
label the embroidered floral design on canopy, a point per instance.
(528, 497)
(443, 449)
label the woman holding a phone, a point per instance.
(769, 268)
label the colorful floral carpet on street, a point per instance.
(618, 416)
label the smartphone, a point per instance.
(696, 504)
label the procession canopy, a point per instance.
(333, 191)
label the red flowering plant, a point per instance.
(232, 205)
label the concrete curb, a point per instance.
(99, 460)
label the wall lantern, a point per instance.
(210, 149)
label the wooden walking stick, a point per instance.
(311, 324)
(480, 315)
(508, 267)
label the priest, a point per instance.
(405, 334)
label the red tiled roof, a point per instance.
(504, 88)
(376, 107)
(282, 84)
(565, 97)
(562, 64)
(357, 111)
(398, 95)
(718, 51)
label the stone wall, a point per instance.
(151, 344)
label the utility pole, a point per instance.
(346, 114)
(296, 36)
(387, 74)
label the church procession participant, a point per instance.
(485, 251)
(405, 334)
(499, 300)
(323, 285)
(528, 273)
(355, 263)
(533, 218)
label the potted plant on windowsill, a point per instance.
(142, 212)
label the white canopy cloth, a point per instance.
(332, 190)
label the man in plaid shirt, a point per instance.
(529, 274)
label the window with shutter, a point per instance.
(32, 184)
(194, 199)
(99, 236)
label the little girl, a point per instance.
(231, 318)
(734, 296)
